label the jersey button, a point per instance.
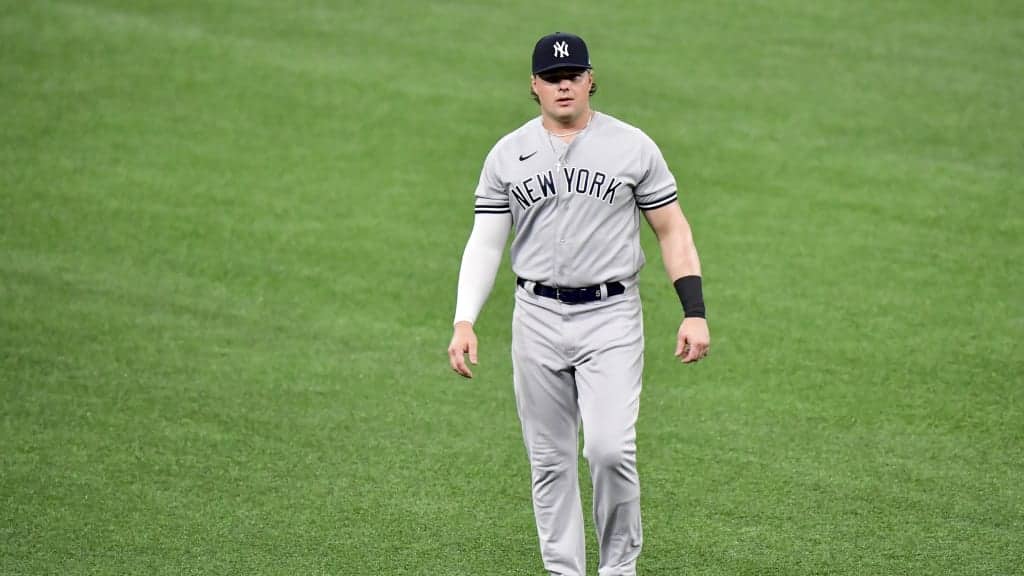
(561, 241)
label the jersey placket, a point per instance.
(563, 200)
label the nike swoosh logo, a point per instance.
(526, 157)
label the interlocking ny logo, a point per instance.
(561, 49)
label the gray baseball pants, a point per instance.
(573, 363)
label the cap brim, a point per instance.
(563, 67)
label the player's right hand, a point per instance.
(463, 342)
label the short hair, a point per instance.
(593, 88)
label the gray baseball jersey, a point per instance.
(574, 207)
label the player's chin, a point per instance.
(565, 113)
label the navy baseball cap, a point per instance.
(560, 50)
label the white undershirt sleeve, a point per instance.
(480, 263)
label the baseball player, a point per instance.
(574, 182)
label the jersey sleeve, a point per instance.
(491, 193)
(657, 185)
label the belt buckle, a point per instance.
(567, 296)
(571, 296)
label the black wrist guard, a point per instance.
(690, 296)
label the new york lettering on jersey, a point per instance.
(583, 181)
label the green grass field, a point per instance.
(230, 234)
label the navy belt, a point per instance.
(573, 295)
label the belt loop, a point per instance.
(530, 286)
(604, 291)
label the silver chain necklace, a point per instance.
(561, 157)
(550, 133)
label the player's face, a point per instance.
(564, 94)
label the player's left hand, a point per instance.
(694, 341)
